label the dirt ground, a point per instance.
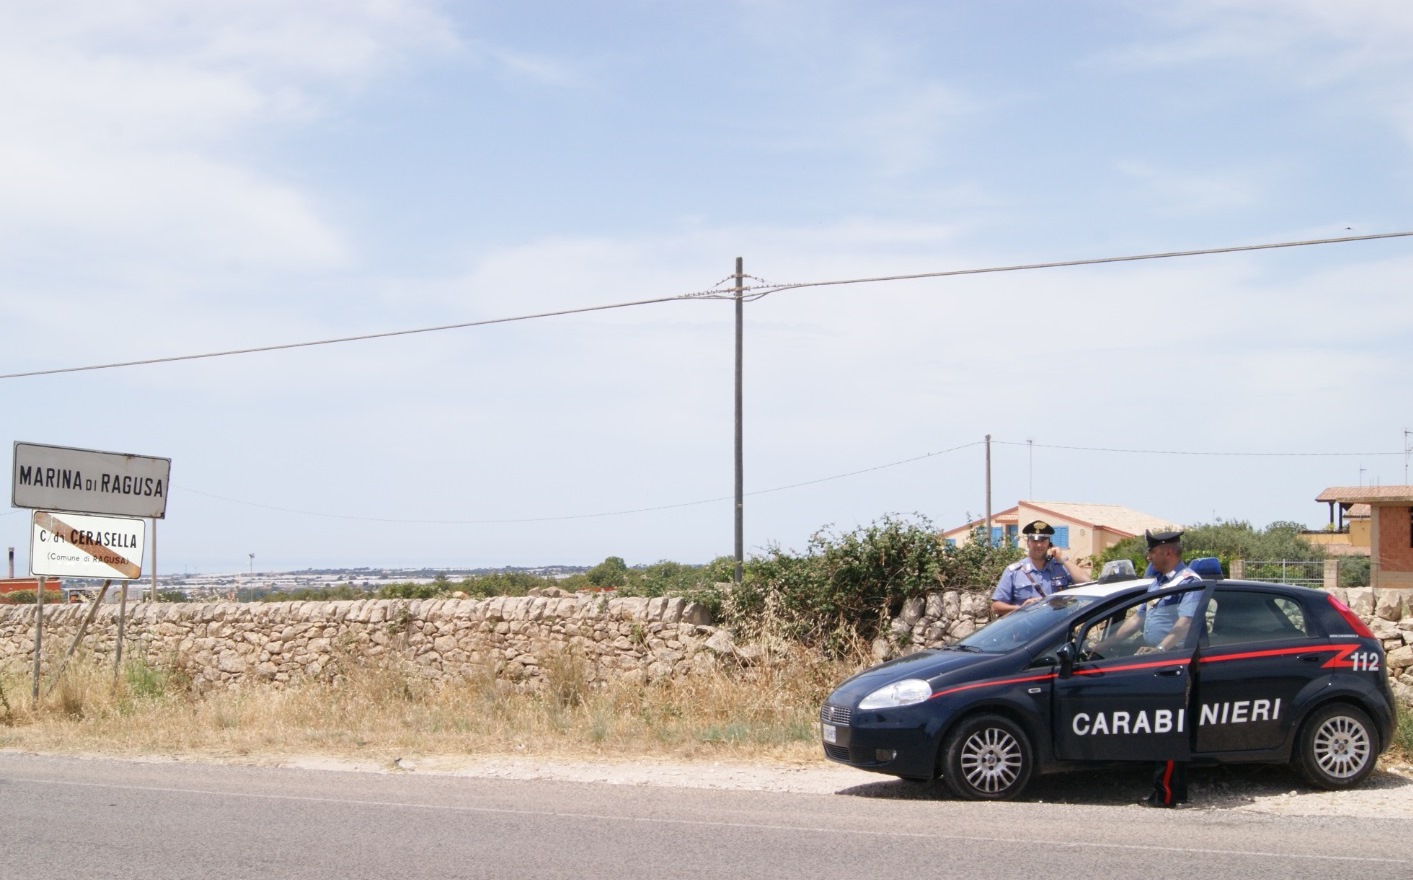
(1388, 793)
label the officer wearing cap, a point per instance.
(1165, 624)
(1043, 571)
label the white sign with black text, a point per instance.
(75, 545)
(87, 481)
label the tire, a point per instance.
(987, 758)
(1338, 747)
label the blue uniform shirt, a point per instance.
(1022, 580)
(1159, 620)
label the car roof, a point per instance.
(1113, 588)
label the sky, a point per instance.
(184, 178)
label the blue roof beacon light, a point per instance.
(1209, 567)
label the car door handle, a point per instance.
(1312, 658)
(1169, 673)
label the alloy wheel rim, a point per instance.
(991, 760)
(1341, 747)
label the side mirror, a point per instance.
(1065, 654)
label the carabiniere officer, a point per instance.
(1043, 571)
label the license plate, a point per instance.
(831, 733)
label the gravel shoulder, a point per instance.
(1388, 793)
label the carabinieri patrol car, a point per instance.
(1272, 674)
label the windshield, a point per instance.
(1019, 627)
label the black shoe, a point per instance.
(1154, 801)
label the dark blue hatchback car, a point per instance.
(1272, 674)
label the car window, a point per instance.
(1019, 627)
(1243, 617)
(1138, 627)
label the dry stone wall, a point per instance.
(225, 644)
(644, 639)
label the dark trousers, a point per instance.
(1170, 783)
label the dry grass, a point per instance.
(381, 711)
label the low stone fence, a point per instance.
(513, 638)
(227, 643)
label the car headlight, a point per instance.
(899, 693)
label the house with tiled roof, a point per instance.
(1083, 530)
(1379, 518)
(1348, 531)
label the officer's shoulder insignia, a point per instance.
(1015, 566)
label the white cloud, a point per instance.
(130, 137)
(1357, 48)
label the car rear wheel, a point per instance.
(1338, 747)
(987, 758)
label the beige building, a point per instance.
(1083, 530)
(1348, 533)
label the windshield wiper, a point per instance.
(973, 649)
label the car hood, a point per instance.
(926, 665)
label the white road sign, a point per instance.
(74, 545)
(82, 480)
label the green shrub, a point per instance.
(503, 583)
(315, 594)
(413, 591)
(27, 597)
(1226, 541)
(846, 586)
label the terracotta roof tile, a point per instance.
(1113, 517)
(1366, 494)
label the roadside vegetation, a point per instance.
(814, 612)
(380, 711)
(1236, 539)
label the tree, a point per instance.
(1226, 540)
(612, 572)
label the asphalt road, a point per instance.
(66, 818)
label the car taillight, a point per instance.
(1360, 628)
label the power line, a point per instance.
(366, 336)
(749, 293)
(1191, 452)
(1088, 262)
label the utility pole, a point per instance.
(740, 458)
(988, 490)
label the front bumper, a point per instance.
(895, 743)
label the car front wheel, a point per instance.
(1338, 747)
(987, 758)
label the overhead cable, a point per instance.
(1192, 452)
(748, 293)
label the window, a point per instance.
(1062, 537)
(1242, 617)
(1140, 627)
